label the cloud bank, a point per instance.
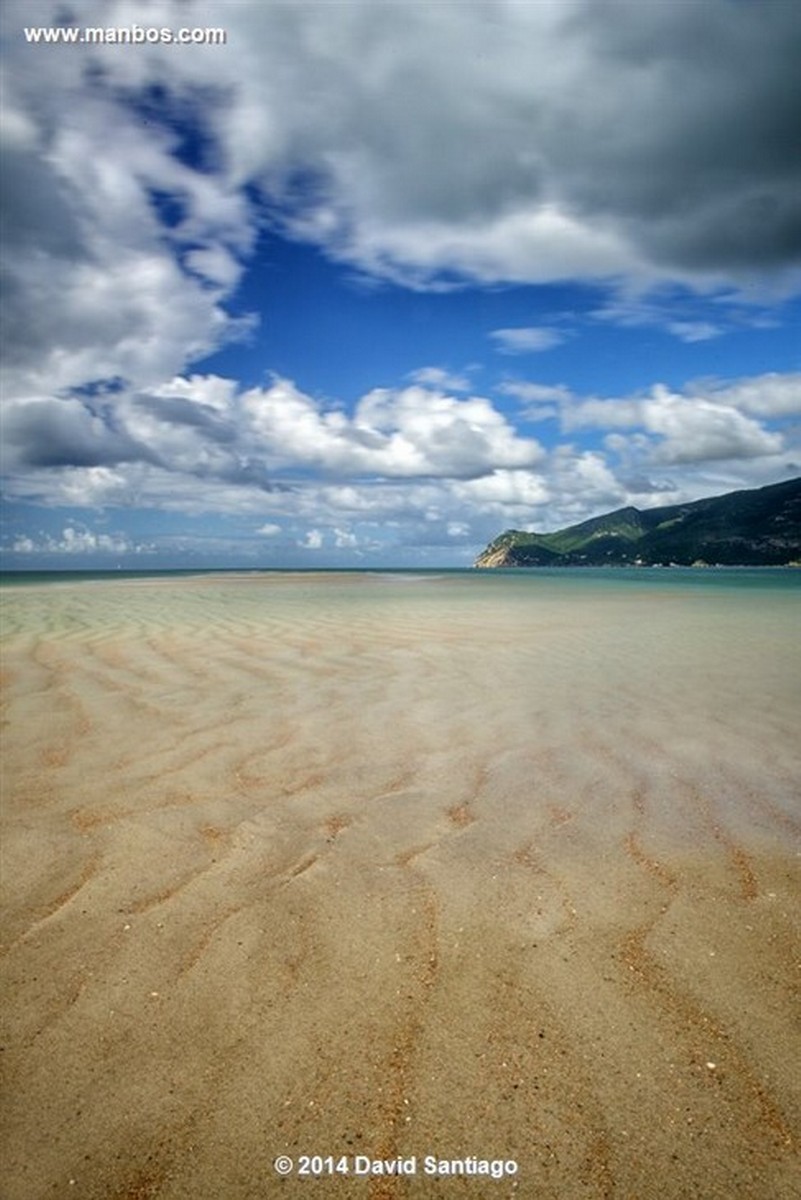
(410, 466)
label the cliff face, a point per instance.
(494, 557)
(752, 528)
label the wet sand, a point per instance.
(392, 868)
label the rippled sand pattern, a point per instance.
(363, 865)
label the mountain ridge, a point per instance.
(753, 527)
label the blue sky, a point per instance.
(370, 283)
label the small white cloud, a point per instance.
(344, 539)
(532, 339)
(539, 402)
(75, 540)
(313, 540)
(458, 529)
(269, 530)
(685, 318)
(437, 377)
(215, 264)
(538, 393)
(694, 331)
(540, 412)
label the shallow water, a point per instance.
(403, 862)
(685, 675)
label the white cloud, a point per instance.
(771, 395)
(684, 427)
(407, 433)
(682, 315)
(584, 484)
(216, 265)
(265, 439)
(536, 393)
(612, 413)
(410, 466)
(538, 402)
(438, 377)
(458, 529)
(522, 247)
(345, 539)
(208, 391)
(76, 540)
(695, 430)
(527, 340)
(694, 331)
(516, 488)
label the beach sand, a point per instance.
(347, 866)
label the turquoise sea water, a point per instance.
(650, 577)
(468, 605)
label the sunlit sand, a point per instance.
(362, 866)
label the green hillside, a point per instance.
(750, 528)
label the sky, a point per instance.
(375, 280)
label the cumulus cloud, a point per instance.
(505, 491)
(689, 427)
(698, 431)
(412, 464)
(771, 395)
(205, 433)
(410, 432)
